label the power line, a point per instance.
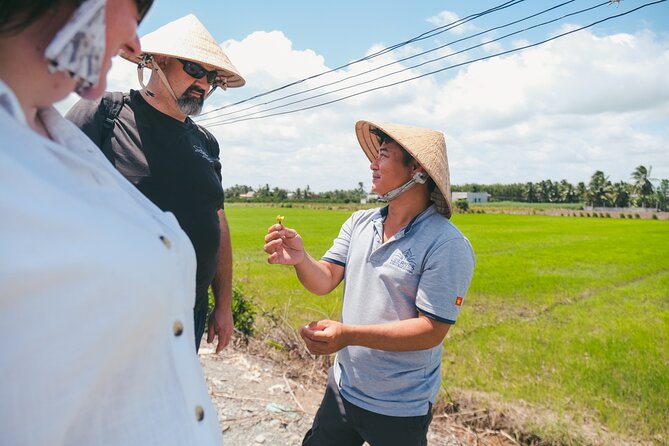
(242, 119)
(402, 60)
(430, 33)
(224, 121)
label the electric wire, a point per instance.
(221, 115)
(430, 33)
(242, 119)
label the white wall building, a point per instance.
(471, 197)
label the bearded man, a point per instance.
(150, 138)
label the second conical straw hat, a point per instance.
(187, 38)
(426, 146)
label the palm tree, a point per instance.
(599, 190)
(582, 191)
(530, 193)
(566, 192)
(642, 185)
(621, 196)
(662, 193)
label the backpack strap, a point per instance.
(111, 106)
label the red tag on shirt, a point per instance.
(458, 301)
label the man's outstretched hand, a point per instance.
(324, 337)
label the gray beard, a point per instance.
(190, 106)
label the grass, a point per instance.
(275, 287)
(565, 313)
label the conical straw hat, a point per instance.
(187, 38)
(427, 146)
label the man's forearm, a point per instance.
(408, 335)
(327, 337)
(222, 283)
(317, 277)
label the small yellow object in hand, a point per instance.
(279, 219)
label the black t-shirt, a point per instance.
(175, 164)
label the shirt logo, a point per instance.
(199, 150)
(404, 260)
(458, 301)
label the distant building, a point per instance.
(471, 197)
(370, 198)
(249, 194)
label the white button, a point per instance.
(178, 328)
(166, 241)
(199, 413)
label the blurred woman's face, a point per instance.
(121, 18)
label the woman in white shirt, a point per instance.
(96, 283)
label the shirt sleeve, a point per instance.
(214, 152)
(219, 172)
(338, 252)
(445, 280)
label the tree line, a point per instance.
(642, 191)
(266, 194)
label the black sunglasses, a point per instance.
(196, 71)
(143, 7)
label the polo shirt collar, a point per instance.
(383, 213)
(431, 209)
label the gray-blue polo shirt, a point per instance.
(427, 266)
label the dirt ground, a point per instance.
(263, 401)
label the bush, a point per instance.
(243, 311)
(654, 217)
(462, 206)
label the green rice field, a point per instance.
(565, 313)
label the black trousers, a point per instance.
(340, 423)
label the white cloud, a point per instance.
(446, 18)
(268, 58)
(562, 110)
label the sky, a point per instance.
(592, 99)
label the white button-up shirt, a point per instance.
(97, 287)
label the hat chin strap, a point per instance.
(221, 81)
(148, 62)
(418, 178)
(211, 91)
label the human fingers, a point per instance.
(211, 333)
(306, 331)
(314, 347)
(272, 234)
(274, 228)
(307, 334)
(224, 337)
(272, 246)
(311, 328)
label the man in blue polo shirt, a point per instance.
(406, 269)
